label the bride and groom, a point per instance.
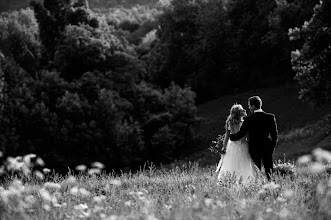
(249, 140)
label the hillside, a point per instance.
(300, 127)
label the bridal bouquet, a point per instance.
(217, 145)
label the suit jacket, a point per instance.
(262, 130)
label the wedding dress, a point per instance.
(237, 160)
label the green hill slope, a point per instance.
(300, 127)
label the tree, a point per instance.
(312, 62)
(53, 16)
(19, 39)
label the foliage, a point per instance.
(54, 16)
(312, 62)
(131, 24)
(220, 46)
(90, 97)
(19, 39)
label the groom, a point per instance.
(262, 132)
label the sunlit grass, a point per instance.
(301, 191)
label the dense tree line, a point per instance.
(222, 46)
(6, 5)
(73, 92)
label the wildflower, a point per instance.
(99, 199)
(1, 154)
(2, 170)
(27, 159)
(45, 194)
(71, 179)
(98, 165)
(84, 192)
(115, 182)
(52, 185)
(304, 159)
(128, 203)
(320, 188)
(81, 168)
(316, 168)
(46, 170)
(30, 199)
(81, 207)
(14, 164)
(288, 193)
(208, 202)
(5, 195)
(280, 199)
(284, 213)
(54, 200)
(46, 207)
(268, 210)
(74, 191)
(39, 174)
(322, 155)
(97, 209)
(271, 186)
(220, 203)
(94, 171)
(40, 162)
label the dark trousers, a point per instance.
(265, 157)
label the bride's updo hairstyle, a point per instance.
(236, 113)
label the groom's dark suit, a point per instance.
(262, 138)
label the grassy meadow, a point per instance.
(298, 191)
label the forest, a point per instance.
(119, 82)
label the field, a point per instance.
(183, 192)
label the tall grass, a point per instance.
(302, 191)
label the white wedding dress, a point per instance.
(237, 160)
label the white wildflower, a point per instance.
(304, 159)
(46, 170)
(81, 207)
(46, 207)
(71, 180)
(81, 168)
(322, 155)
(316, 168)
(284, 213)
(280, 199)
(99, 199)
(84, 192)
(208, 202)
(74, 191)
(52, 185)
(128, 203)
(39, 174)
(288, 193)
(27, 159)
(115, 182)
(45, 195)
(271, 186)
(30, 199)
(98, 165)
(94, 171)
(40, 162)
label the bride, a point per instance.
(237, 159)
